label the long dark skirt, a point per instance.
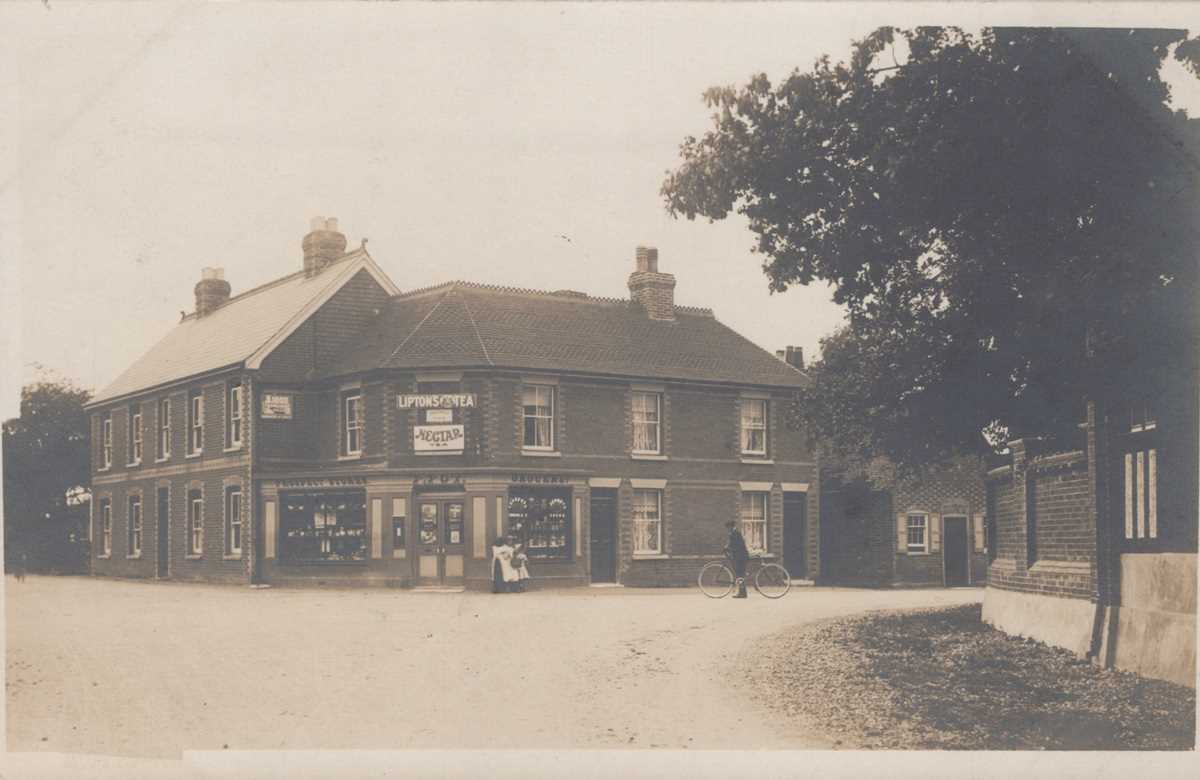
(498, 583)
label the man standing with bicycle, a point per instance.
(735, 550)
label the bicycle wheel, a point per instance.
(772, 581)
(716, 580)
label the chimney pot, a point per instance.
(653, 291)
(794, 357)
(212, 291)
(323, 245)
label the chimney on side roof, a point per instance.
(794, 356)
(323, 245)
(211, 291)
(653, 291)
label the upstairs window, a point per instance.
(134, 526)
(135, 433)
(164, 428)
(754, 521)
(537, 402)
(647, 423)
(195, 422)
(106, 440)
(917, 529)
(352, 423)
(233, 416)
(754, 426)
(1141, 417)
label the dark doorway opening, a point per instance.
(164, 525)
(954, 550)
(604, 535)
(795, 534)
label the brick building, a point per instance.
(328, 428)
(884, 529)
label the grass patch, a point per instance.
(943, 679)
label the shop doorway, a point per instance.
(164, 524)
(604, 535)
(795, 534)
(954, 550)
(441, 541)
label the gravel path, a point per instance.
(150, 669)
(942, 679)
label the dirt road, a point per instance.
(150, 669)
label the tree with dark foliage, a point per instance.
(47, 477)
(1009, 219)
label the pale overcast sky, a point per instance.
(519, 145)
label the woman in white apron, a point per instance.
(504, 575)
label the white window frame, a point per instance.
(910, 527)
(233, 416)
(642, 517)
(352, 429)
(746, 429)
(655, 424)
(105, 527)
(537, 389)
(135, 434)
(195, 441)
(195, 523)
(233, 520)
(747, 518)
(106, 441)
(133, 522)
(164, 428)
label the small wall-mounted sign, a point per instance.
(438, 438)
(436, 401)
(540, 479)
(276, 406)
(439, 416)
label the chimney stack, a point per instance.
(794, 356)
(211, 291)
(323, 245)
(653, 291)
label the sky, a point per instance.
(520, 145)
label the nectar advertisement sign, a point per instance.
(438, 438)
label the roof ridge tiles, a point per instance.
(278, 281)
(559, 294)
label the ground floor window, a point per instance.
(917, 527)
(135, 525)
(754, 521)
(195, 522)
(233, 520)
(324, 527)
(647, 522)
(541, 520)
(105, 526)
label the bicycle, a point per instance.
(717, 580)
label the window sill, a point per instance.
(351, 456)
(650, 556)
(195, 454)
(541, 453)
(236, 448)
(133, 557)
(757, 459)
(104, 557)
(192, 557)
(648, 456)
(104, 468)
(232, 557)
(163, 459)
(917, 552)
(133, 463)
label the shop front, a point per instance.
(431, 529)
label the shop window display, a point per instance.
(324, 527)
(541, 521)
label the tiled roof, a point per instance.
(232, 333)
(467, 325)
